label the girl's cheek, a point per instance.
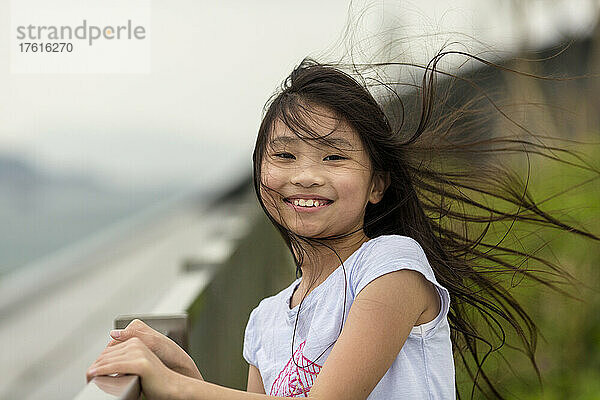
(348, 188)
(270, 200)
(269, 174)
(272, 187)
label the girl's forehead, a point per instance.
(328, 131)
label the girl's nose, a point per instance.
(307, 176)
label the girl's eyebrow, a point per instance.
(341, 142)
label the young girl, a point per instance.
(383, 265)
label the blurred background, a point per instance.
(111, 185)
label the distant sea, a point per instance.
(42, 213)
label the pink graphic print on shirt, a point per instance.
(292, 380)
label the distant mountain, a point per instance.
(41, 212)
(16, 171)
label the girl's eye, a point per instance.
(334, 157)
(284, 155)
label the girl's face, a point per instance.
(317, 189)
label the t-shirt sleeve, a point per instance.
(250, 340)
(393, 253)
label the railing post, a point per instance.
(175, 326)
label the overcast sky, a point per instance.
(193, 119)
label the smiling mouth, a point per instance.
(308, 203)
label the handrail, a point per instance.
(219, 293)
(175, 325)
(125, 387)
(169, 317)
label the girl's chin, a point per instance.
(320, 233)
(310, 233)
(316, 232)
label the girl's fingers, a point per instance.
(113, 358)
(116, 333)
(122, 366)
(133, 343)
(133, 347)
(135, 328)
(110, 358)
(113, 362)
(117, 346)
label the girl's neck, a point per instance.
(320, 261)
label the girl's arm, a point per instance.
(378, 323)
(255, 383)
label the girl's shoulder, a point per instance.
(394, 246)
(389, 253)
(394, 238)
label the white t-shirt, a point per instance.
(424, 367)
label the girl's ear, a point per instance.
(381, 181)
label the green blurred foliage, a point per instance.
(568, 352)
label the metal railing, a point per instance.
(127, 387)
(175, 325)
(206, 311)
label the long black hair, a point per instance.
(449, 186)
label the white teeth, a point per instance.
(307, 203)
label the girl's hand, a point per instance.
(172, 356)
(134, 357)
